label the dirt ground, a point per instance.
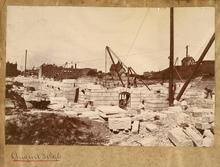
(54, 129)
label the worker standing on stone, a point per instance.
(184, 104)
(208, 92)
(141, 107)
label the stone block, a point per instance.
(81, 110)
(110, 109)
(202, 125)
(146, 115)
(208, 133)
(58, 100)
(56, 106)
(70, 113)
(179, 138)
(171, 117)
(208, 118)
(182, 118)
(161, 116)
(119, 123)
(148, 141)
(135, 127)
(175, 109)
(137, 117)
(212, 125)
(208, 141)
(199, 112)
(28, 104)
(9, 103)
(150, 126)
(195, 135)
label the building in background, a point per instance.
(11, 70)
(60, 72)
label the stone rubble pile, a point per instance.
(156, 125)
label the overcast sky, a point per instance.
(139, 36)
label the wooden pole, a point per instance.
(171, 92)
(128, 80)
(105, 67)
(25, 63)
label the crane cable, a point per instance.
(137, 32)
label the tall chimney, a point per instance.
(75, 65)
(187, 48)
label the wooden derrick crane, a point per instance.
(121, 68)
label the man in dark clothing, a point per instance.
(208, 92)
(135, 82)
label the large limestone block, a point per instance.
(150, 126)
(110, 109)
(119, 123)
(148, 141)
(135, 127)
(202, 125)
(195, 135)
(58, 100)
(179, 138)
(175, 109)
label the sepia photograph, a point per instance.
(110, 76)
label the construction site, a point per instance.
(55, 105)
